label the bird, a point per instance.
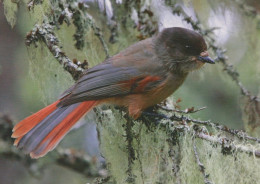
(138, 77)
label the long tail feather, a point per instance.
(23, 127)
(42, 131)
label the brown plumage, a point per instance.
(138, 77)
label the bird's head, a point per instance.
(182, 50)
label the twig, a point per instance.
(100, 36)
(81, 26)
(227, 145)
(32, 3)
(233, 73)
(175, 153)
(81, 19)
(219, 52)
(186, 111)
(201, 166)
(102, 180)
(45, 34)
(138, 157)
(131, 151)
(238, 133)
(180, 124)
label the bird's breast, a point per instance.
(136, 103)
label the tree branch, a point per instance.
(45, 34)
(219, 52)
(130, 149)
(205, 130)
(200, 165)
(181, 123)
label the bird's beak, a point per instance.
(204, 57)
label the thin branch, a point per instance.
(186, 111)
(32, 3)
(219, 52)
(130, 149)
(200, 164)
(81, 19)
(231, 71)
(45, 33)
(227, 145)
(180, 123)
(238, 133)
(100, 36)
(102, 180)
(138, 155)
(175, 153)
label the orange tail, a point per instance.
(41, 132)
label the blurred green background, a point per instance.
(27, 85)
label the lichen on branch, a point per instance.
(45, 33)
(178, 149)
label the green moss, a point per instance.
(189, 170)
(47, 73)
(10, 10)
(114, 147)
(40, 11)
(154, 164)
(158, 158)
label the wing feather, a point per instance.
(123, 74)
(111, 82)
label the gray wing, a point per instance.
(103, 81)
(133, 70)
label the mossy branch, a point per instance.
(251, 108)
(181, 123)
(130, 149)
(173, 129)
(82, 20)
(45, 33)
(199, 130)
(200, 165)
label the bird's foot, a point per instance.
(151, 118)
(154, 115)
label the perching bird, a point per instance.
(138, 77)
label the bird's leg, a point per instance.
(150, 116)
(155, 115)
(152, 112)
